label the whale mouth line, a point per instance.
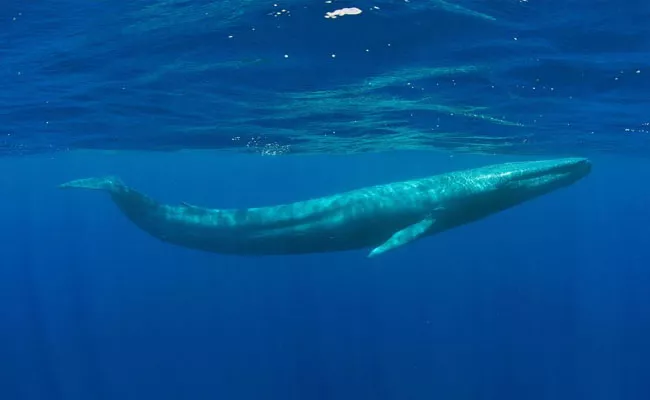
(551, 175)
(546, 178)
(577, 167)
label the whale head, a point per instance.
(497, 187)
(535, 178)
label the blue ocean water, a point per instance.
(270, 103)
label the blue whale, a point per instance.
(382, 217)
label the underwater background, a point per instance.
(248, 103)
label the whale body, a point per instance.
(381, 217)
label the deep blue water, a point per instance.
(548, 300)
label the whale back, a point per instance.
(349, 220)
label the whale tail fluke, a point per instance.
(142, 210)
(111, 184)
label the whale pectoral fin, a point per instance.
(405, 236)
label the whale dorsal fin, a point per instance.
(405, 236)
